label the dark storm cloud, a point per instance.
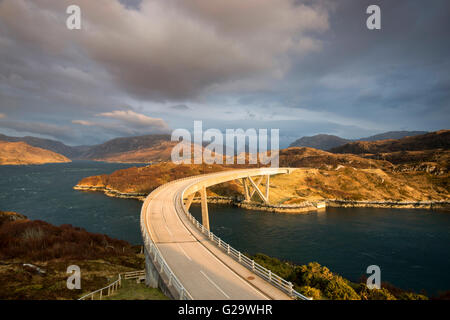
(180, 107)
(313, 63)
(398, 74)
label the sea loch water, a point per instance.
(410, 246)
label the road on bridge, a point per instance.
(205, 271)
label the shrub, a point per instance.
(310, 292)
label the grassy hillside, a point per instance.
(34, 256)
(319, 283)
(428, 141)
(323, 175)
(20, 153)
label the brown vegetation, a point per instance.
(319, 283)
(324, 175)
(35, 255)
(20, 153)
(429, 141)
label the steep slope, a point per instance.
(20, 153)
(47, 144)
(323, 175)
(116, 147)
(35, 255)
(327, 142)
(157, 153)
(429, 141)
(313, 158)
(320, 141)
(393, 135)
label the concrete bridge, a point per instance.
(187, 261)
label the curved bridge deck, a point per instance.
(202, 269)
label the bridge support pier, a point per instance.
(154, 280)
(151, 274)
(205, 215)
(189, 200)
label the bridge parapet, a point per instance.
(156, 265)
(158, 272)
(250, 264)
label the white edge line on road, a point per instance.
(168, 230)
(215, 285)
(232, 271)
(182, 250)
(204, 248)
(218, 260)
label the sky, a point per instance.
(151, 66)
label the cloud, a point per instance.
(124, 123)
(306, 60)
(166, 49)
(84, 123)
(2, 115)
(132, 118)
(41, 128)
(180, 107)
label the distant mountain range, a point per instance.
(157, 147)
(428, 141)
(113, 150)
(328, 142)
(119, 146)
(52, 145)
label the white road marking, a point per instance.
(218, 260)
(184, 252)
(215, 285)
(232, 271)
(168, 230)
(179, 220)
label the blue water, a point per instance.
(45, 192)
(410, 246)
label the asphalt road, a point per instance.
(205, 271)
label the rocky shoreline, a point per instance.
(389, 204)
(112, 193)
(303, 207)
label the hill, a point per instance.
(20, 153)
(393, 135)
(47, 144)
(35, 255)
(146, 148)
(428, 152)
(322, 175)
(327, 142)
(320, 141)
(429, 141)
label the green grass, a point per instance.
(131, 290)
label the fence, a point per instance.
(134, 275)
(165, 270)
(250, 264)
(113, 287)
(110, 289)
(154, 253)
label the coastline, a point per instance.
(305, 207)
